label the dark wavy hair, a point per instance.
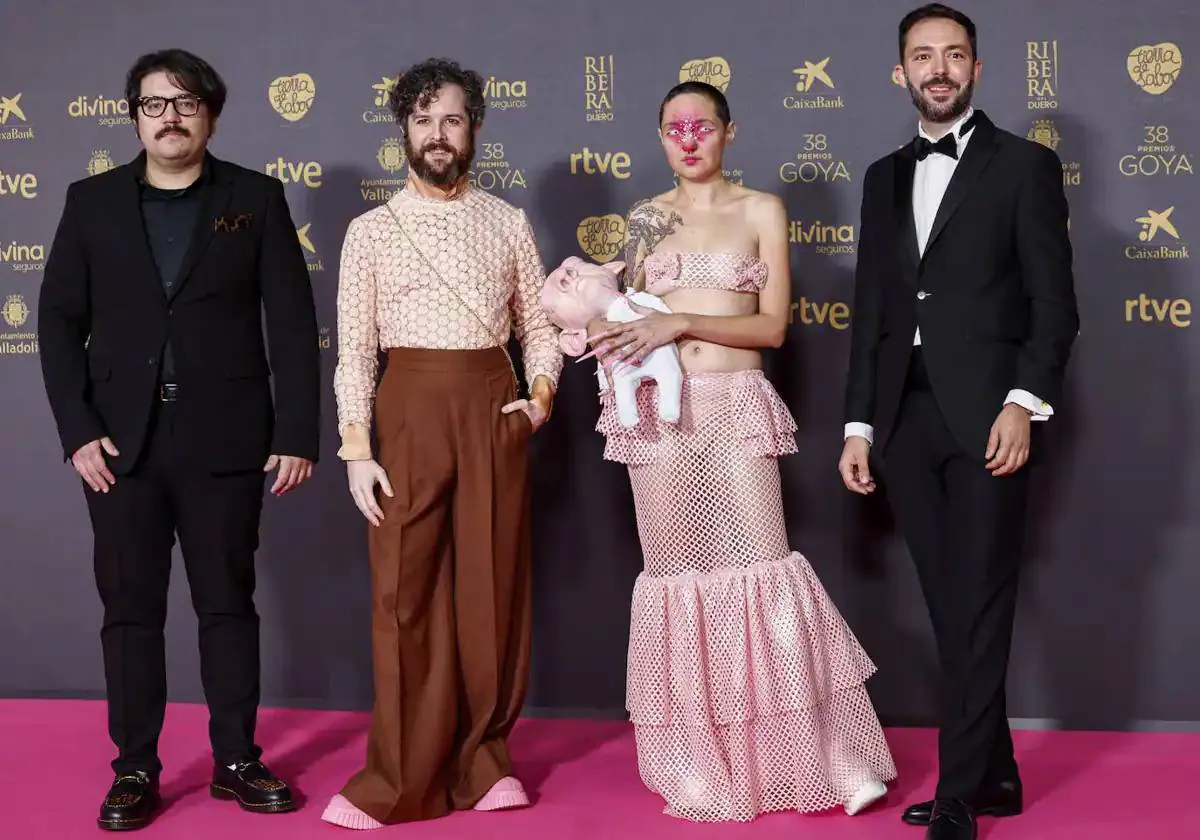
(937, 10)
(186, 70)
(420, 83)
(713, 94)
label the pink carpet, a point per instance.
(583, 775)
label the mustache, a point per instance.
(939, 80)
(172, 129)
(438, 146)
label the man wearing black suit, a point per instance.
(964, 320)
(150, 323)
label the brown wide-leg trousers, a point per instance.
(450, 583)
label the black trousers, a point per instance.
(965, 529)
(134, 527)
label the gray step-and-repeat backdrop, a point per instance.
(1108, 625)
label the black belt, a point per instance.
(168, 392)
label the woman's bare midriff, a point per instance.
(706, 357)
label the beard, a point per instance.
(941, 112)
(439, 174)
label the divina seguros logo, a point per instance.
(106, 111)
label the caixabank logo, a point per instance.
(13, 125)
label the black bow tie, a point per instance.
(948, 146)
(923, 147)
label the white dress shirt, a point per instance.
(930, 179)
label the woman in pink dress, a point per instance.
(745, 685)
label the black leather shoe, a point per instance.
(130, 803)
(253, 786)
(952, 819)
(1003, 800)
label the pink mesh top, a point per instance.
(388, 296)
(669, 270)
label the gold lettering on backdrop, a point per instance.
(829, 313)
(1154, 68)
(292, 96)
(1041, 75)
(598, 88)
(601, 237)
(1151, 310)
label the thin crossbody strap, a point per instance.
(503, 344)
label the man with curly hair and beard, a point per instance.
(438, 278)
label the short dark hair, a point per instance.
(714, 95)
(186, 70)
(937, 10)
(419, 84)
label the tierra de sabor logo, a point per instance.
(10, 112)
(1156, 155)
(814, 163)
(803, 97)
(18, 184)
(601, 237)
(105, 110)
(715, 70)
(1158, 238)
(15, 312)
(1155, 68)
(598, 88)
(23, 257)
(292, 96)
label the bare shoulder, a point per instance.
(761, 204)
(652, 208)
(764, 211)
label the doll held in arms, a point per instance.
(578, 291)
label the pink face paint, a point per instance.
(689, 130)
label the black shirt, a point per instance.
(169, 217)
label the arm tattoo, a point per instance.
(647, 227)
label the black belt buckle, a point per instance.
(168, 392)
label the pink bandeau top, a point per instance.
(731, 272)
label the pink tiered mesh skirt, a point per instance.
(745, 685)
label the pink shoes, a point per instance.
(506, 793)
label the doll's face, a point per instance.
(578, 291)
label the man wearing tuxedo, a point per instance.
(965, 317)
(155, 366)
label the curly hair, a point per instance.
(420, 83)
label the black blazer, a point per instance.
(993, 295)
(104, 318)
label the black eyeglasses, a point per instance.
(186, 105)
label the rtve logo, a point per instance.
(587, 162)
(22, 184)
(308, 173)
